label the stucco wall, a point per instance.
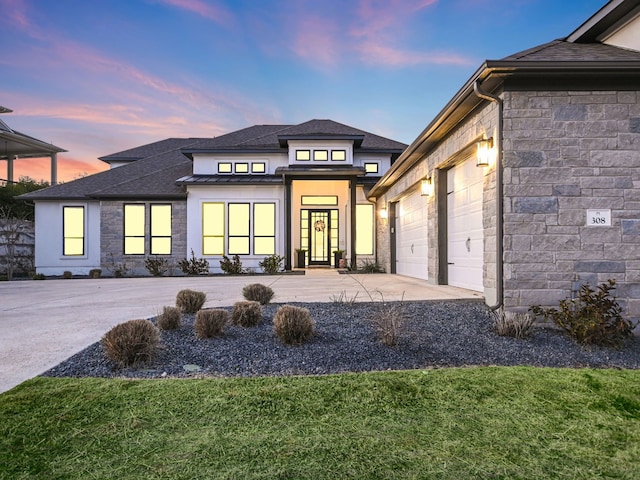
(566, 152)
(112, 237)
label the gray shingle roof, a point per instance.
(144, 151)
(562, 51)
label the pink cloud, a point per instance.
(15, 13)
(69, 168)
(216, 13)
(316, 39)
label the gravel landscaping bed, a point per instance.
(436, 334)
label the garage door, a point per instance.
(411, 236)
(464, 226)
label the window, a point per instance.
(213, 228)
(258, 167)
(364, 229)
(160, 229)
(242, 167)
(224, 167)
(371, 167)
(134, 226)
(320, 155)
(319, 200)
(338, 155)
(239, 228)
(264, 230)
(303, 155)
(73, 231)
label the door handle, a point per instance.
(468, 244)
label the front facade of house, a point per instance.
(555, 201)
(264, 190)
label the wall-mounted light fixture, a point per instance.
(383, 213)
(484, 152)
(426, 187)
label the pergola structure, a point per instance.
(16, 145)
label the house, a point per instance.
(527, 183)
(260, 191)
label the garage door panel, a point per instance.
(464, 226)
(411, 237)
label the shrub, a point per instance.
(210, 323)
(232, 267)
(157, 266)
(371, 266)
(95, 273)
(246, 314)
(190, 301)
(293, 325)
(388, 321)
(169, 319)
(193, 265)
(594, 317)
(512, 324)
(39, 276)
(67, 274)
(117, 269)
(131, 343)
(272, 264)
(258, 293)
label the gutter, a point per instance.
(477, 90)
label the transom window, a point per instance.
(303, 155)
(242, 167)
(73, 231)
(320, 155)
(338, 155)
(224, 167)
(319, 200)
(371, 167)
(258, 167)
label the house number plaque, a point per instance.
(598, 218)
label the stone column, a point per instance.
(54, 168)
(10, 160)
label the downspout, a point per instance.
(499, 192)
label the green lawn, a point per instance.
(457, 423)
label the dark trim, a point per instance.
(442, 219)
(391, 216)
(284, 139)
(352, 205)
(144, 228)
(152, 236)
(247, 236)
(287, 223)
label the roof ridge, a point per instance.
(537, 48)
(284, 127)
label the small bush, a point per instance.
(257, 292)
(131, 343)
(157, 266)
(594, 317)
(247, 314)
(193, 265)
(512, 324)
(190, 301)
(210, 323)
(39, 276)
(169, 319)
(67, 274)
(389, 322)
(293, 325)
(231, 267)
(371, 266)
(95, 273)
(272, 264)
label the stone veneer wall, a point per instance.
(566, 152)
(112, 236)
(449, 152)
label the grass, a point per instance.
(484, 422)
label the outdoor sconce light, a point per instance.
(484, 151)
(383, 213)
(426, 187)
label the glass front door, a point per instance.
(319, 238)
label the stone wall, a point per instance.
(566, 152)
(112, 237)
(21, 233)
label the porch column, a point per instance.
(10, 160)
(287, 223)
(352, 204)
(54, 168)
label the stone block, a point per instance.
(602, 235)
(604, 266)
(566, 190)
(535, 205)
(570, 112)
(555, 242)
(627, 97)
(629, 141)
(528, 159)
(630, 226)
(544, 297)
(634, 125)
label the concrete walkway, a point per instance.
(44, 322)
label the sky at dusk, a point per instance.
(100, 76)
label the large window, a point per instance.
(160, 229)
(73, 231)
(364, 229)
(264, 228)
(239, 227)
(213, 228)
(134, 227)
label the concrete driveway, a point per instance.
(44, 322)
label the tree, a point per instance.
(15, 207)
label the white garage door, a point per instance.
(411, 236)
(464, 226)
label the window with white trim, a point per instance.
(73, 231)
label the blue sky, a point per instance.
(100, 76)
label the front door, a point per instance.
(319, 237)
